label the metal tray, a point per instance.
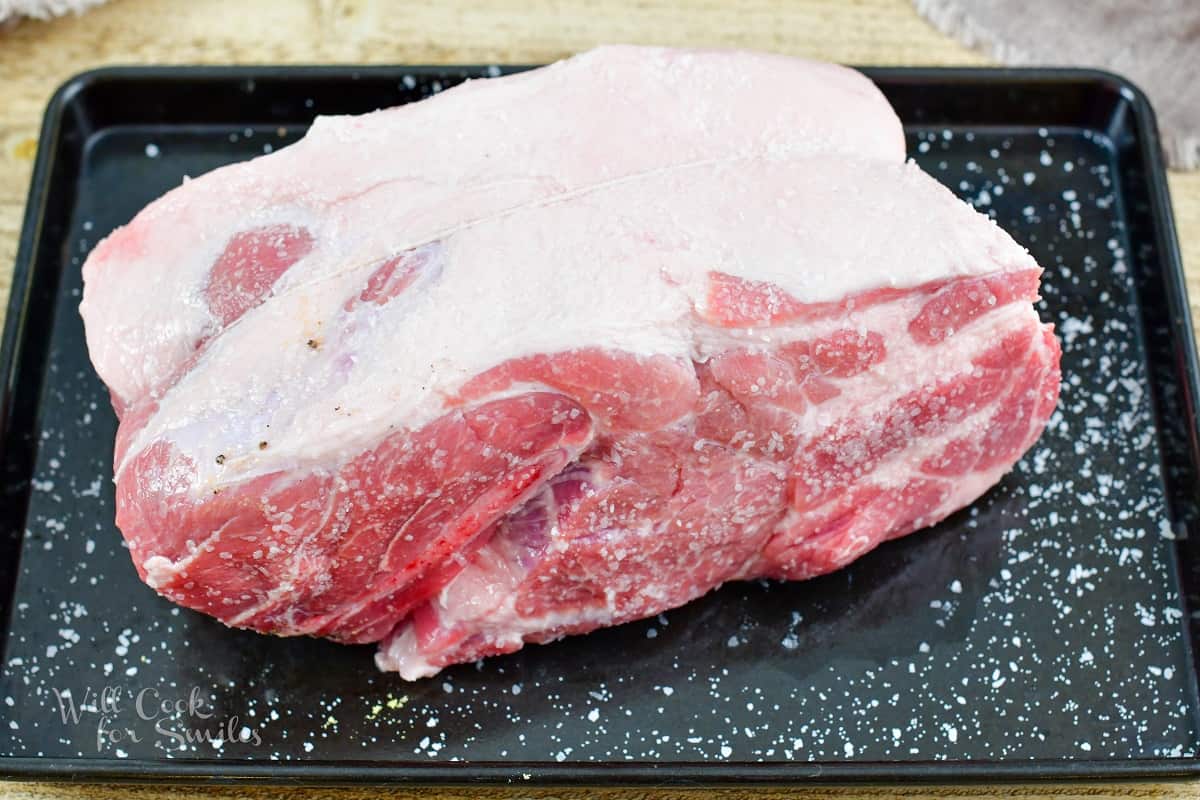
(1046, 632)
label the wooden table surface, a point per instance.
(36, 57)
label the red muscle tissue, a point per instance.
(555, 351)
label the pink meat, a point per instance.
(454, 407)
(748, 485)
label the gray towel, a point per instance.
(10, 10)
(1154, 43)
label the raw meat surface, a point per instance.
(526, 359)
(356, 187)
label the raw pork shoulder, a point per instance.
(556, 351)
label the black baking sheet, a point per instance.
(1044, 632)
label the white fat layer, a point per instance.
(623, 267)
(402, 654)
(159, 570)
(465, 154)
